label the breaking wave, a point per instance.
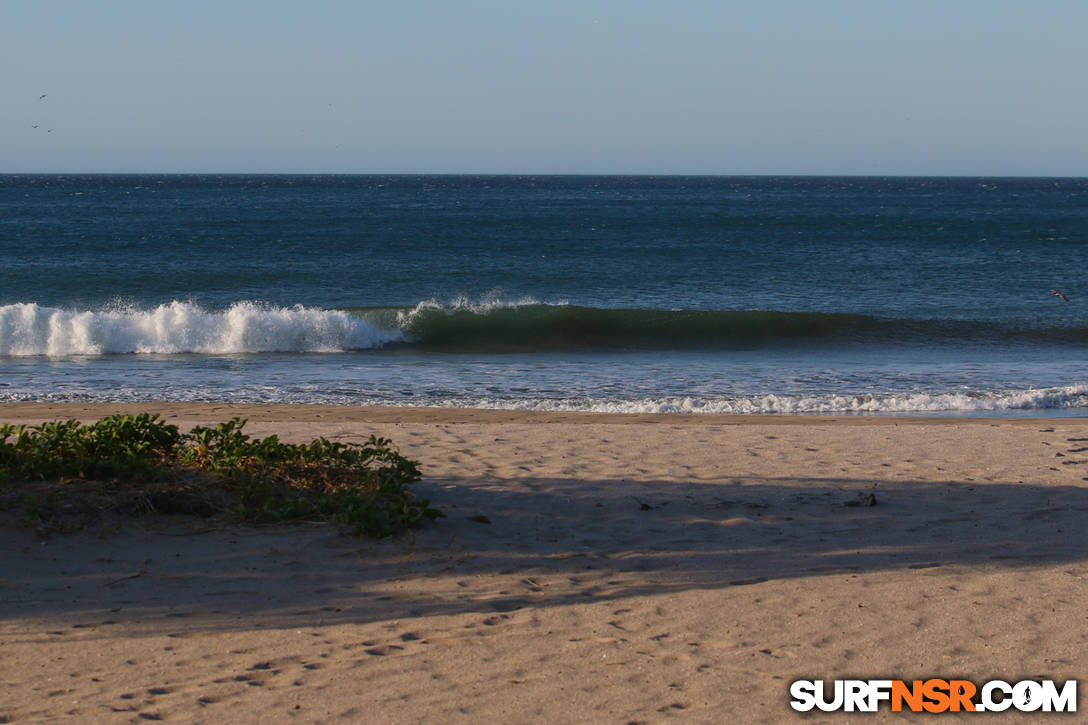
(183, 327)
(531, 326)
(524, 325)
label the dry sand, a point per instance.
(635, 569)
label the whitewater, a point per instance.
(252, 352)
(28, 329)
(691, 295)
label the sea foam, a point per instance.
(1071, 399)
(183, 327)
(1001, 402)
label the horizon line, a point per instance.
(551, 174)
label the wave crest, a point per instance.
(488, 326)
(182, 327)
(531, 326)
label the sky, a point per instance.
(904, 87)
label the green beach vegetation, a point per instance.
(67, 475)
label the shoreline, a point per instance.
(297, 412)
(591, 567)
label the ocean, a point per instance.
(700, 294)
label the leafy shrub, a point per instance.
(121, 446)
(258, 480)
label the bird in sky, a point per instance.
(1059, 295)
(42, 96)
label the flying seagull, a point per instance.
(42, 96)
(1059, 295)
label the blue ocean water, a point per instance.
(640, 294)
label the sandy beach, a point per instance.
(591, 568)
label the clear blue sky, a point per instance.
(563, 86)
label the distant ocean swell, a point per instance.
(28, 329)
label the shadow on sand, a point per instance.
(539, 543)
